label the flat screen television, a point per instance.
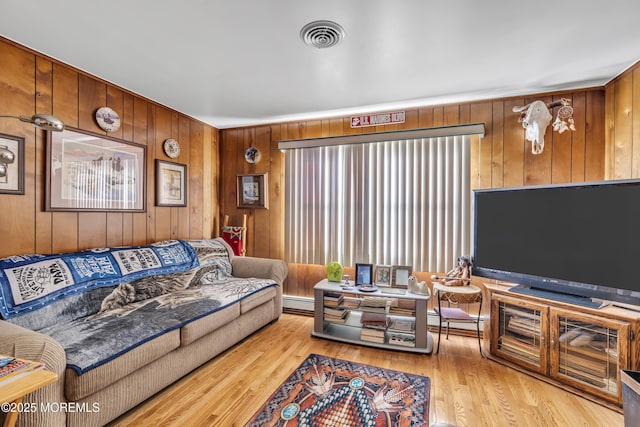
(575, 239)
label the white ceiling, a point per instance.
(241, 62)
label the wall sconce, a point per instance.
(43, 121)
(536, 116)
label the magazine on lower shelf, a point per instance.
(12, 368)
(406, 340)
(402, 324)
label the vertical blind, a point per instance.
(404, 202)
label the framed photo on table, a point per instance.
(11, 164)
(91, 172)
(400, 276)
(171, 184)
(364, 274)
(252, 191)
(382, 275)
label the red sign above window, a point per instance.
(390, 118)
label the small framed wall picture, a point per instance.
(400, 276)
(11, 164)
(252, 191)
(364, 274)
(171, 184)
(382, 275)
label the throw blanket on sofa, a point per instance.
(30, 282)
(100, 324)
(137, 312)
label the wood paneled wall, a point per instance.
(622, 124)
(605, 145)
(502, 158)
(32, 83)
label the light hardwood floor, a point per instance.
(466, 390)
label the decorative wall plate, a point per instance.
(252, 155)
(171, 148)
(108, 119)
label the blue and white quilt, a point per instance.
(30, 282)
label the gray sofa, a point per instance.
(103, 372)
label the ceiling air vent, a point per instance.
(322, 34)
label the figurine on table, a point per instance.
(460, 275)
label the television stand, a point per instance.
(557, 296)
(578, 348)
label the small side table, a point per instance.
(468, 294)
(14, 390)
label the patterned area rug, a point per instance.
(330, 392)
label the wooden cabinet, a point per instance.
(339, 314)
(520, 332)
(582, 349)
(588, 352)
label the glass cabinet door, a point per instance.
(519, 331)
(588, 352)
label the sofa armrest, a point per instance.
(261, 268)
(23, 343)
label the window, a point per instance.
(403, 202)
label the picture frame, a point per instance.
(171, 184)
(91, 172)
(400, 276)
(364, 274)
(11, 164)
(382, 275)
(252, 191)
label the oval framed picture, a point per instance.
(108, 119)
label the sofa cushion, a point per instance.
(30, 282)
(79, 386)
(201, 327)
(207, 324)
(259, 298)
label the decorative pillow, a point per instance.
(30, 282)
